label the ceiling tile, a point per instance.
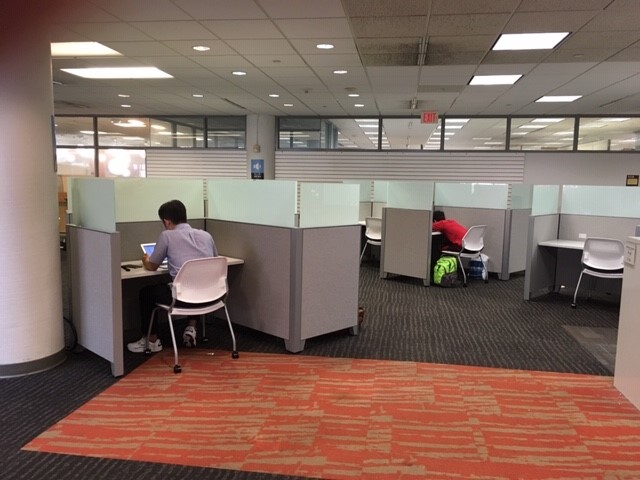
(302, 8)
(387, 8)
(262, 47)
(448, 7)
(544, 22)
(175, 30)
(221, 9)
(242, 29)
(477, 24)
(321, 28)
(374, 27)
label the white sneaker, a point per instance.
(141, 345)
(189, 337)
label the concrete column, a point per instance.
(261, 143)
(30, 282)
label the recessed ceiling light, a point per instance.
(324, 46)
(529, 41)
(81, 49)
(354, 95)
(358, 105)
(494, 79)
(198, 95)
(118, 72)
(558, 98)
(201, 48)
(288, 105)
(340, 72)
(238, 73)
(124, 95)
(274, 95)
(125, 106)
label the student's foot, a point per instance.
(141, 345)
(189, 337)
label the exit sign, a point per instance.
(429, 117)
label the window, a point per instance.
(409, 134)
(121, 162)
(475, 133)
(542, 133)
(226, 132)
(123, 132)
(74, 131)
(609, 133)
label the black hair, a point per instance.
(174, 211)
(438, 215)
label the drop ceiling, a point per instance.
(376, 41)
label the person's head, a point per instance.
(438, 215)
(173, 211)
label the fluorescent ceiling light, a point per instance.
(288, 105)
(340, 72)
(529, 41)
(201, 48)
(130, 123)
(238, 73)
(547, 120)
(559, 98)
(274, 95)
(81, 49)
(358, 105)
(614, 119)
(324, 46)
(354, 95)
(531, 126)
(118, 72)
(456, 120)
(494, 79)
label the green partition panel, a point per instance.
(476, 195)
(380, 191)
(410, 195)
(328, 204)
(262, 202)
(366, 188)
(521, 196)
(606, 201)
(138, 199)
(546, 200)
(92, 203)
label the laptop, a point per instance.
(148, 248)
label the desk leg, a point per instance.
(294, 345)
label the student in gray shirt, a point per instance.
(178, 243)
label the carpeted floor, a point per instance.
(343, 418)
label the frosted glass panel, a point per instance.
(546, 200)
(92, 203)
(138, 199)
(263, 202)
(601, 201)
(521, 196)
(366, 187)
(475, 195)
(380, 191)
(413, 195)
(328, 204)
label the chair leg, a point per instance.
(362, 254)
(234, 352)
(204, 338)
(464, 274)
(575, 294)
(176, 366)
(147, 350)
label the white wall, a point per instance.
(580, 168)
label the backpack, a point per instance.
(445, 271)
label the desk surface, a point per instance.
(560, 243)
(137, 270)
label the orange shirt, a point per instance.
(452, 230)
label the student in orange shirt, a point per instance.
(450, 229)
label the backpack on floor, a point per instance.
(445, 271)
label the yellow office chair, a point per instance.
(601, 257)
(200, 287)
(472, 246)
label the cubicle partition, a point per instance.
(557, 233)
(406, 230)
(301, 272)
(504, 208)
(110, 219)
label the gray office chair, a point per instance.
(472, 246)
(602, 258)
(373, 233)
(200, 287)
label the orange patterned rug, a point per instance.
(339, 418)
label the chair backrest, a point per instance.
(373, 228)
(474, 238)
(201, 280)
(603, 253)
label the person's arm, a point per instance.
(437, 226)
(148, 264)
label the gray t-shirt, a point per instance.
(181, 244)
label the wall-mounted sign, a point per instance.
(257, 169)
(429, 117)
(632, 180)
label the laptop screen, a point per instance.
(148, 248)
